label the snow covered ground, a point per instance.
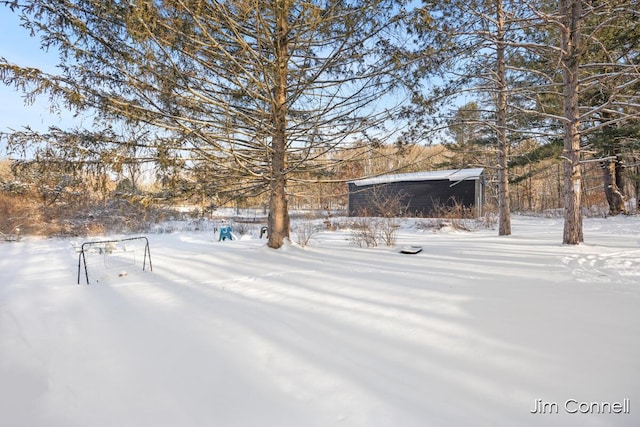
(476, 330)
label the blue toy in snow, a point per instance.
(225, 233)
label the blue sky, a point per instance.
(18, 47)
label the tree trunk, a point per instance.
(504, 228)
(571, 15)
(615, 198)
(278, 222)
(278, 210)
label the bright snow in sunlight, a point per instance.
(476, 330)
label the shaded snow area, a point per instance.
(475, 330)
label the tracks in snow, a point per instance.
(618, 268)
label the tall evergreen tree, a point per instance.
(259, 87)
(614, 60)
(469, 47)
(597, 88)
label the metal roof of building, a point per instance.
(450, 174)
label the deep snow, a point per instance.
(472, 331)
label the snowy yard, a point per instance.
(475, 330)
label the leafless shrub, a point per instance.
(370, 232)
(364, 234)
(384, 201)
(305, 229)
(387, 230)
(459, 218)
(488, 221)
(378, 222)
(456, 213)
(453, 209)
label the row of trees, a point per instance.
(541, 70)
(54, 193)
(50, 195)
(266, 97)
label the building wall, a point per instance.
(413, 198)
